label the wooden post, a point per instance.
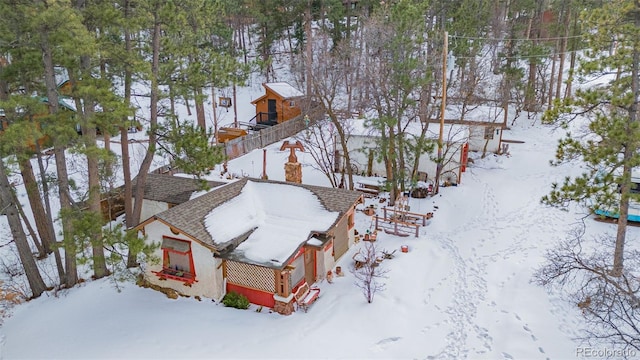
(264, 164)
(235, 109)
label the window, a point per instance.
(177, 260)
(488, 133)
(292, 103)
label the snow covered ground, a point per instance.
(462, 291)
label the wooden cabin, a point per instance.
(281, 102)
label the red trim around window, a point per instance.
(174, 274)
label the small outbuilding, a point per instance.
(281, 102)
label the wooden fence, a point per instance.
(259, 139)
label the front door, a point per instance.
(272, 110)
(310, 265)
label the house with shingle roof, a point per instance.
(162, 192)
(260, 238)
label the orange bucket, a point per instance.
(404, 248)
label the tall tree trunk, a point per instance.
(132, 260)
(35, 201)
(392, 168)
(215, 113)
(99, 264)
(563, 47)
(629, 153)
(34, 236)
(308, 50)
(553, 75)
(4, 87)
(572, 61)
(8, 203)
(49, 216)
(265, 53)
(153, 121)
(202, 122)
(343, 145)
(71, 271)
(86, 112)
(534, 36)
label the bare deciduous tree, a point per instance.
(368, 273)
(319, 141)
(610, 304)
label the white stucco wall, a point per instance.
(151, 207)
(328, 261)
(477, 140)
(209, 281)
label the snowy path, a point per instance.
(489, 252)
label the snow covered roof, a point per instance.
(283, 89)
(63, 102)
(267, 220)
(276, 224)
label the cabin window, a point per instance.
(292, 103)
(177, 260)
(488, 133)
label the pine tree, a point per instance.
(611, 151)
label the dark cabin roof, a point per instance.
(171, 189)
(189, 217)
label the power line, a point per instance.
(524, 56)
(516, 39)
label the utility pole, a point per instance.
(442, 111)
